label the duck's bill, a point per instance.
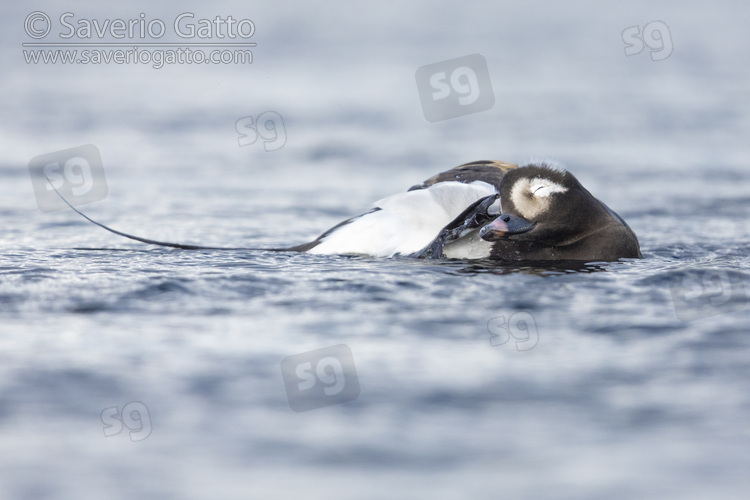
(505, 225)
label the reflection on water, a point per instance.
(541, 268)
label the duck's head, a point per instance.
(545, 207)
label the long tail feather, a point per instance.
(154, 242)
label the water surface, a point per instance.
(618, 398)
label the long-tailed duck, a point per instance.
(479, 210)
(487, 210)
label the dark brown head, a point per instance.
(548, 215)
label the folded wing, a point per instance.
(406, 223)
(403, 223)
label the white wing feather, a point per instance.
(406, 223)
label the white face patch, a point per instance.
(532, 196)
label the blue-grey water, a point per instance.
(129, 371)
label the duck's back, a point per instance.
(491, 172)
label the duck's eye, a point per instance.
(542, 188)
(532, 197)
(534, 190)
